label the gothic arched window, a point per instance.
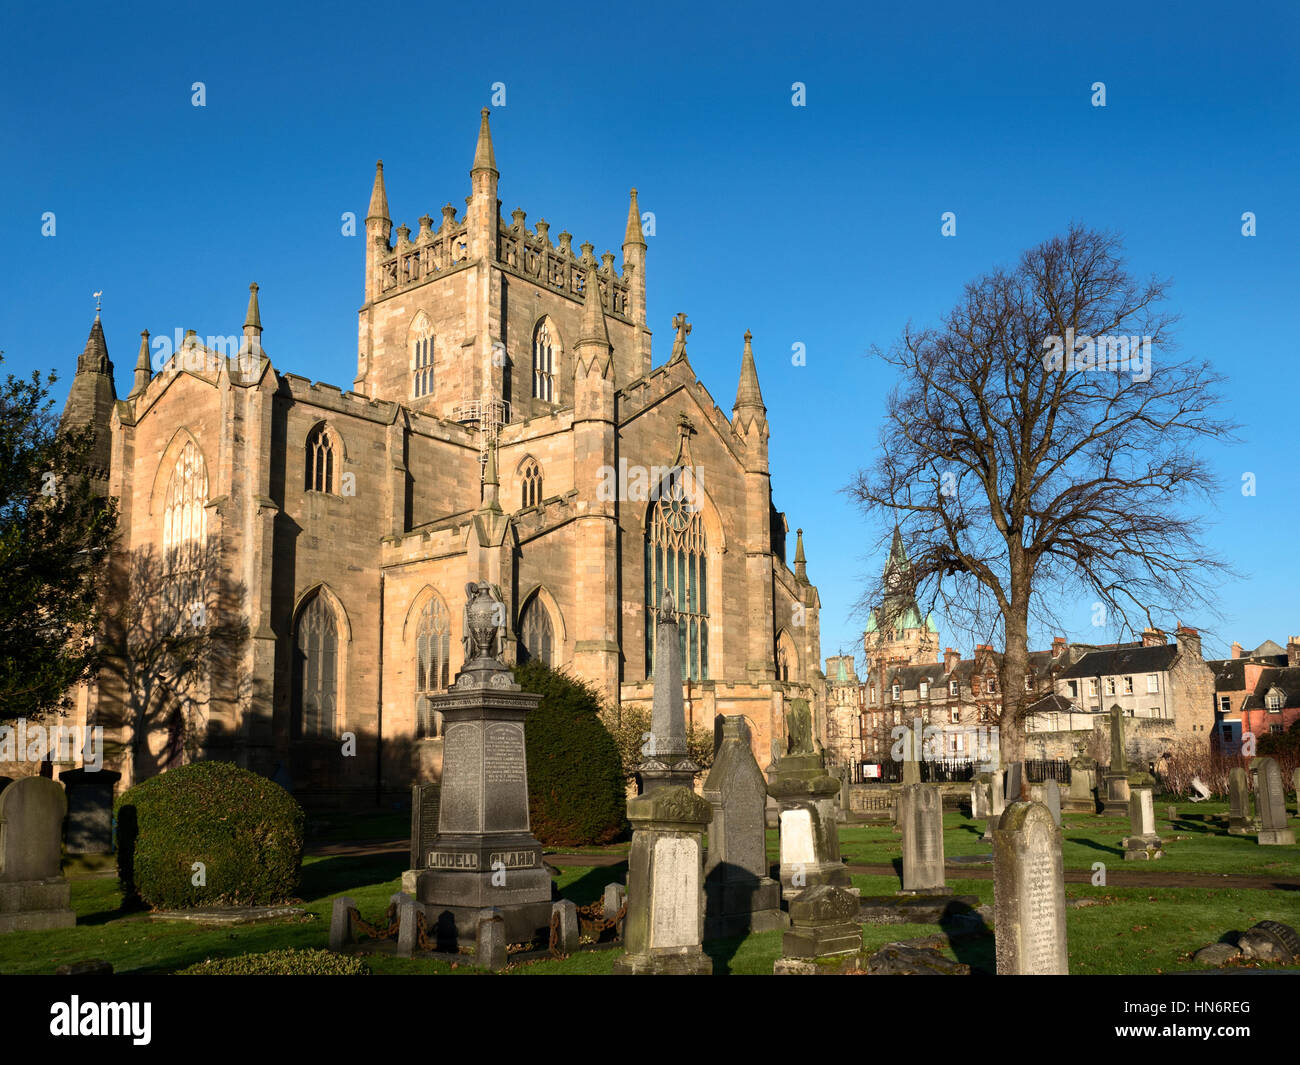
(320, 460)
(537, 633)
(185, 527)
(421, 357)
(676, 564)
(432, 663)
(785, 657)
(315, 679)
(531, 474)
(543, 362)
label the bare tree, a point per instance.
(1038, 446)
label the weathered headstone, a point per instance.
(564, 917)
(612, 901)
(741, 897)
(1142, 843)
(1271, 941)
(979, 797)
(1015, 784)
(408, 927)
(668, 761)
(1115, 802)
(997, 803)
(490, 941)
(1241, 818)
(810, 842)
(1272, 803)
(33, 893)
(1029, 893)
(89, 826)
(341, 922)
(824, 936)
(485, 855)
(1052, 799)
(664, 928)
(1081, 797)
(425, 800)
(921, 815)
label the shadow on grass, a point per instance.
(970, 937)
(589, 887)
(1096, 846)
(336, 875)
(721, 951)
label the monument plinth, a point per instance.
(484, 855)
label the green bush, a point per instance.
(246, 830)
(281, 963)
(576, 793)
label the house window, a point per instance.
(952, 688)
(1276, 730)
(320, 460)
(871, 695)
(315, 687)
(898, 717)
(1110, 685)
(1074, 688)
(676, 568)
(1273, 701)
(1225, 704)
(895, 691)
(432, 664)
(992, 685)
(1128, 685)
(532, 483)
(538, 633)
(1092, 686)
(1153, 682)
(925, 689)
(543, 363)
(954, 716)
(1029, 683)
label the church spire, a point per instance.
(633, 234)
(91, 398)
(378, 196)
(94, 359)
(143, 371)
(748, 395)
(253, 320)
(593, 310)
(800, 563)
(484, 157)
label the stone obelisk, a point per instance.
(668, 761)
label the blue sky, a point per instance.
(815, 225)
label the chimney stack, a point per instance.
(1154, 637)
(1293, 652)
(1189, 640)
(1058, 646)
(1236, 649)
(950, 659)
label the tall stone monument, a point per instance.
(1274, 829)
(668, 761)
(1143, 844)
(741, 897)
(920, 813)
(1029, 893)
(33, 893)
(485, 855)
(1115, 802)
(663, 932)
(804, 791)
(1241, 818)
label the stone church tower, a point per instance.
(506, 424)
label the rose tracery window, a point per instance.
(676, 565)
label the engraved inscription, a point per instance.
(1039, 917)
(675, 894)
(512, 859)
(505, 778)
(797, 838)
(452, 860)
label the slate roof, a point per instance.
(1230, 673)
(1126, 658)
(1286, 679)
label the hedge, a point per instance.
(245, 830)
(280, 963)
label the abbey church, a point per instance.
(506, 424)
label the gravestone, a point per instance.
(921, 815)
(1274, 830)
(425, 800)
(824, 937)
(1029, 893)
(1241, 817)
(1052, 800)
(89, 825)
(491, 941)
(843, 801)
(997, 803)
(408, 924)
(33, 893)
(664, 927)
(1081, 798)
(810, 842)
(485, 856)
(668, 762)
(612, 901)
(341, 922)
(564, 920)
(740, 896)
(1014, 784)
(979, 797)
(1115, 802)
(1142, 844)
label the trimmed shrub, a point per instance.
(630, 725)
(576, 794)
(246, 830)
(280, 963)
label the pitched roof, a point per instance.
(1126, 658)
(1288, 680)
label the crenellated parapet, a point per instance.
(431, 254)
(531, 255)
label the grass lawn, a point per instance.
(1129, 930)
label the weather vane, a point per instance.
(99, 300)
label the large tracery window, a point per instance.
(315, 682)
(432, 664)
(185, 525)
(543, 363)
(320, 460)
(537, 633)
(532, 484)
(676, 561)
(421, 357)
